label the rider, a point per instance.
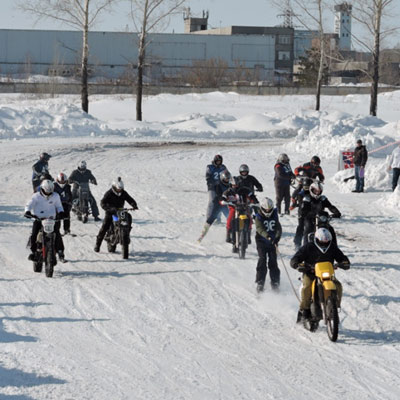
(63, 188)
(45, 204)
(283, 178)
(112, 200)
(244, 179)
(220, 188)
(312, 204)
(236, 194)
(320, 250)
(41, 167)
(268, 234)
(84, 175)
(213, 172)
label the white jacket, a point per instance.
(43, 206)
(394, 160)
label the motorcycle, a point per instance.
(81, 204)
(119, 232)
(324, 299)
(241, 226)
(45, 251)
(322, 220)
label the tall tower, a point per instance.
(343, 25)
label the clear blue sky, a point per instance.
(221, 13)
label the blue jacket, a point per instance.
(212, 175)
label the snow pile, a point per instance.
(49, 119)
(376, 178)
(337, 131)
(391, 201)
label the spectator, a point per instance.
(360, 159)
(394, 165)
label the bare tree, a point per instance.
(149, 16)
(81, 14)
(372, 14)
(309, 13)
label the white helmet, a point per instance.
(316, 190)
(47, 187)
(266, 207)
(82, 165)
(283, 158)
(323, 239)
(118, 186)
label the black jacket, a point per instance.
(244, 194)
(64, 192)
(111, 201)
(310, 207)
(360, 156)
(249, 181)
(82, 177)
(310, 171)
(311, 254)
(283, 174)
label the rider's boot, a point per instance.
(303, 315)
(96, 218)
(97, 246)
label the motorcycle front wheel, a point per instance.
(49, 264)
(242, 244)
(332, 318)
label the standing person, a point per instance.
(360, 158)
(45, 204)
(268, 234)
(282, 179)
(84, 175)
(63, 188)
(220, 188)
(113, 199)
(394, 165)
(213, 172)
(244, 179)
(39, 169)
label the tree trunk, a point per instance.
(373, 106)
(321, 59)
(141, 61)
(85, 56)
(139, 84)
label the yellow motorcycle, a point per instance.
(324, 300)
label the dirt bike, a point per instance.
(241, 227)
(119, 231)
(81, 204)
(45, 251)
(322, 220)
(324, 300)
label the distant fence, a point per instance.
(101, 88)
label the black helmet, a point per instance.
(244, 170)
(45, 157)
(217, 159)
(225, 176)
(315, 160)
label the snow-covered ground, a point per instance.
(180, 320)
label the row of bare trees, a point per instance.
(373, 15)
(149, 15)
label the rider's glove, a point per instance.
(336, 215)
(344, 265)
(28, 214)
(275, 242)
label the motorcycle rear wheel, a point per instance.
(332, 318)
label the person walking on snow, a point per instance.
(394, 165)
(282, 179)
(268, 234)
(360, 158)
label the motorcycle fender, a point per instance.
(242, 221)
(329, 285)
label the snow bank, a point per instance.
(391, 201)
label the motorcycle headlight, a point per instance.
(326, 275)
